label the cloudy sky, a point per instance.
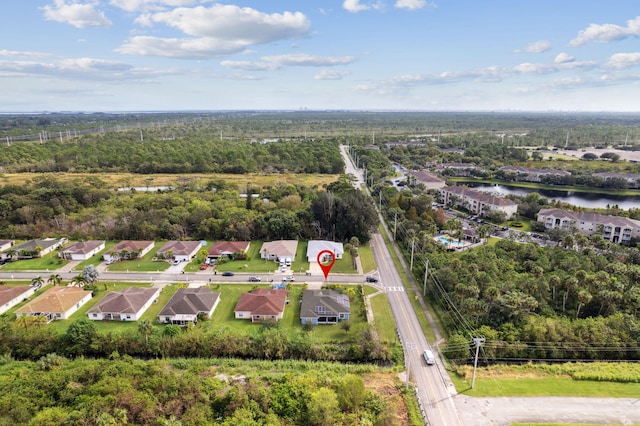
(453, 55)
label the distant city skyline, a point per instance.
(412, 55)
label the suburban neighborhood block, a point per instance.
(182, 251)
(82, 250)
(316, 246)
(280, 251)
(124, 305)
(324, 307)
(56, 303)
(127, 250)
(187, 304)
(261, 304)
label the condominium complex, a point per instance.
(477, 202)
(613, 228)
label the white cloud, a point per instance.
(23, 54)
(77, 14)
(539, 46)
(410, 4)
(563, 57)
(79, 69)
(331, 75)
(149, 5)
(216, 30)
(354, 6)
(624, 60)
(604, 33)
(279, 61)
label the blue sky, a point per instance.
(441, 55)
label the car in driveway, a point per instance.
(227, 274)
(371, 279)
(204, 266)
(254, 279)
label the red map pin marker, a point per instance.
(326, 267)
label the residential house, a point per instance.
(616, 229)
(127, 250)
(124, 305)
(187, 304)
(56, 303)
(82, 250)
(261, 304)
(5, 246)
(228, 249)
(324, 307)
(477, 202)
(280, 251)
(429, 180)
(182, 251)
(38, 247)
(457, 169)
(632, 179)
(316, 246)
(10, 296)
(531, 174)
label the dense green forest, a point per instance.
(120, 390)
(85, 208)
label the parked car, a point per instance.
(254, 279)
(204, 266)
(371, 279)
(227, 274)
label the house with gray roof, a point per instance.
(324, 307)
(82, 250)
(38, 247)
(187, 304)
(127, 250)
(124, 305)
(316, 246)
(616, 229)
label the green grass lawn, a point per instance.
(366, 258)
(383, 318)
(49, 262)
(97, 259)
(148, 263)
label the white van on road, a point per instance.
(428, 357)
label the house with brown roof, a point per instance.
(477, 202)
(324, 306)
(261, 304)
(127, 250)
(56, 303)
(429, 180)
(280, 251)
(616, 229)
(187, 304)
(182, 251)
(82, 250)
(124, 305)
(10, 296)
(228, 249)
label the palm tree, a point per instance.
(79, 280)
(37, 281)
(54, 279)
(145, 327)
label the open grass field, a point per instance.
(118, 180)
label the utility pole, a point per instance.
(413, 243)
(478, 341)
(426, 274)
(395, 226)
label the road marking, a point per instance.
(394, 288)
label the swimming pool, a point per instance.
(450, 242)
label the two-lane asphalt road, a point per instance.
(432, 391)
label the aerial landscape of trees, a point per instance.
(575, 298)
